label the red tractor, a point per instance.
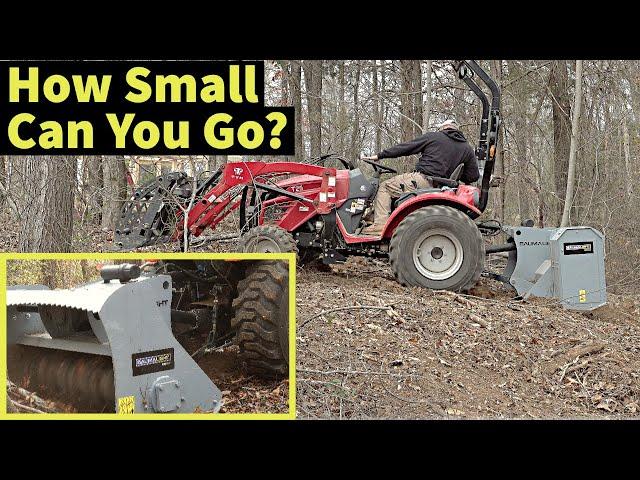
(431, 238)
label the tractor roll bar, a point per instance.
(489, 124)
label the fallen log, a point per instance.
(572, 355)
(29, 397)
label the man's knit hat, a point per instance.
(449, 123)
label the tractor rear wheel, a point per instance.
(262, 319)
(267, 239)
(437, 247)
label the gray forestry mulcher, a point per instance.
(119, 344)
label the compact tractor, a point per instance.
(131, 341)
(432, 238)
(319, 211)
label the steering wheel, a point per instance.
(378, 167)
(347, 164)
(332, 156)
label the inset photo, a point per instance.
(190, 334)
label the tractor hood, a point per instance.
(311, 181)
(298, 180)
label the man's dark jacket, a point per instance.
(441, 153)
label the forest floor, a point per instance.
(396, 352)
(369, 348)
(241, 392)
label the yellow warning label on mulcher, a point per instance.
(583, 296)
(126, 404)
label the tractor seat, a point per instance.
(455, 175)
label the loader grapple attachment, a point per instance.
(105, 347)
(149, 216)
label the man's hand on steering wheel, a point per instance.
(378, 167)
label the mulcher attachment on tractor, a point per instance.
(106, 346)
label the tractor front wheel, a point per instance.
(261, 319)
(437, 247)
(267, 239)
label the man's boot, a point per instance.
(374, 230)
(381, 211)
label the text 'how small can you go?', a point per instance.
(104, 107)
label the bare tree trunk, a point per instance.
(341, 121)
(313, 83)
(57, 233)
(115, 187)
(417, 96)
(522, 170)
(284, 86)
(520, 128)
(87, 271)
(499, 195)
(296, 94)
(575, 124)
(426, 111)
(293, 73)
(627, 156)
(377, 106)
(214, 162)
(7, 195)
(3, 180)
(561, 112)
(51, 274)
(46, 191)
(94, 189)
(410, 98)
(29, 183)
(354, 151)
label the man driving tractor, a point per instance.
(441, 152)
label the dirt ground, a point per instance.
(241, 392)
(395, 352)
(384, 351)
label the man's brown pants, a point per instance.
(393, 188)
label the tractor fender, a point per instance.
(447, 198)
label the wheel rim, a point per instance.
(265, 245)
(438, 254)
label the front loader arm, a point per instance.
(207, 212)
(155, 212)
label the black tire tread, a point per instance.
(429, 211)
(258, 317)
(283, 238)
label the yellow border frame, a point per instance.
(290, 257)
